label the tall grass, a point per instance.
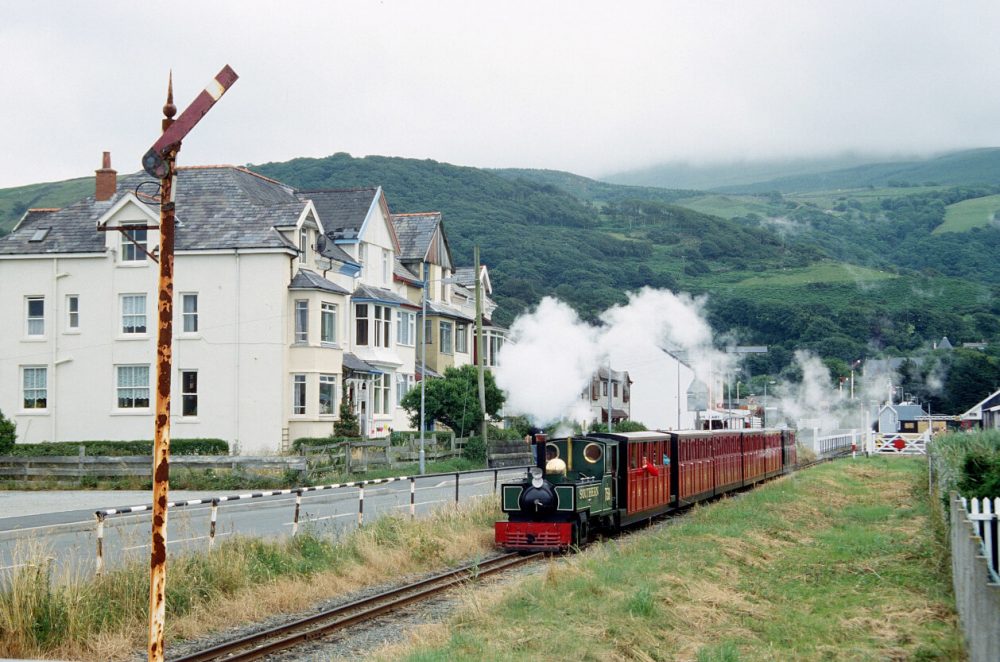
(965, 462)
(105, 617)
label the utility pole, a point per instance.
(480, 345)
(160, 161)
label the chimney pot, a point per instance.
(106, 181)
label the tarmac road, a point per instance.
(61, 526)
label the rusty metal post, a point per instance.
(161, 433)
(100, 544)
(160, 162)
(457, 476)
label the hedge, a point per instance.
(118, 448)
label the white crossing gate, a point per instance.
(984, 513)
(899, 443)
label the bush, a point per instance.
(120, 448)
(621, 426)
(475, 450)
(8, 434)
(980, 476)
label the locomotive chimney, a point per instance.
(106, 180)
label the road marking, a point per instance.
(317, 519)
(171, 542)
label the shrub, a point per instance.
(119, 448)
(8, 434)
(475, 450)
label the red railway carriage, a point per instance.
(695, 467)
(753, 456)
(648, 480)
(727, 460)
(772, 453)
(789, 458)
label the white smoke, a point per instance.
(813, 402)
(553, 354)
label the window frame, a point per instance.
(124, 327)
(189, 395)
(461, 337)
(187, 315)
(119, 388)
(301, 321)
(406, 328)
(72, 313)
(382, 325)
(299, 394)
(39, 319)
(449, 347)
(328, 313)
(361, 337)
(35, 408)
(381, 386)
(132, 249)
(330, 381)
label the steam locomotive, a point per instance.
(607, 481)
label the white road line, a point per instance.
(171, 542)
(318, 519)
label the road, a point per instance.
(62, 526)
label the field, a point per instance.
(968, 214)
(728, 206)
(821, 272)
(840, 562)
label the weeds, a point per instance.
(105, 618)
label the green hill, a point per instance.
(15, 201)
(960, 168)
(843, 273)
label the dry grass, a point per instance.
(242, 581)
(831, 564)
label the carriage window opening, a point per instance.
(592, 453)
(633, 453)
(553, 449)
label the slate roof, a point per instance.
(308, 280)
(465, 276)
(909, 412)
(380, 295)
(352, 362)
(218, 207)
(440, 309)
(400, 270)
(343, 211)
(415, 232)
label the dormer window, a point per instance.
(303, 245)
(133, 244)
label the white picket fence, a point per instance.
(984, 515)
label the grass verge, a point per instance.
(241, 581)
(839, 562)
(208, 479)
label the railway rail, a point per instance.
(323, 624)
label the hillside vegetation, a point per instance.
(847, 274)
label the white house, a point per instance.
(284, 301)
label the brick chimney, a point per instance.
(106, 180)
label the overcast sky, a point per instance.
(589, 87)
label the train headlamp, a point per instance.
(536, 477)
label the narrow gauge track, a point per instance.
(325, 623)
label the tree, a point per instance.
(347, 425)
(8, 434)
(454, 400)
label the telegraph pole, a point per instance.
(161, 161)
(480, 345)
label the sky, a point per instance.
(588, 87)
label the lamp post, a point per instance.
(423, 361)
